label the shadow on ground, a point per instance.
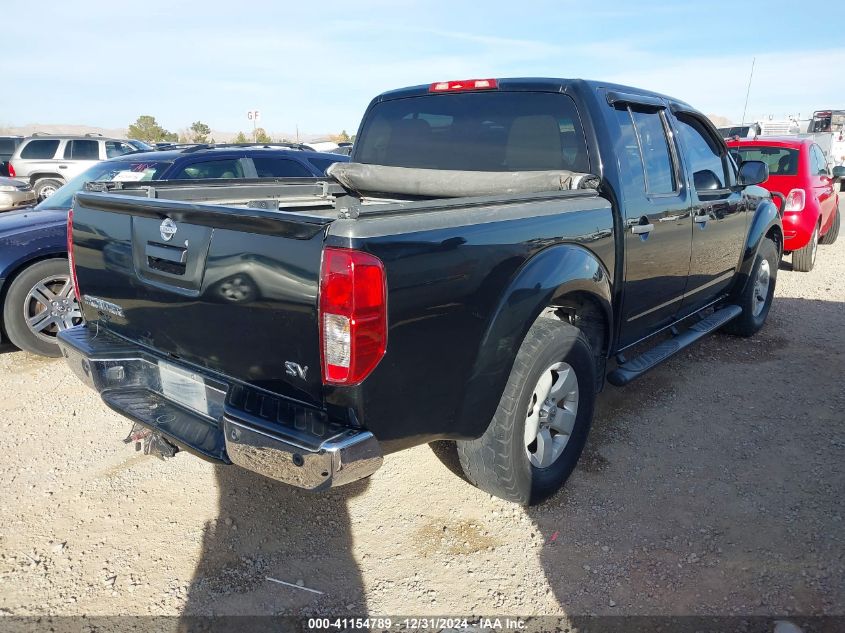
(266, 529)
(713, 484)
(710, 486)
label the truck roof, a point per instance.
(544, 84)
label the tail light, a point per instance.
(71, 263)
(11, 169)
(466, 84)
(795, 201)
(353, 315)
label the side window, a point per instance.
(84, 150)
(704, 155)
(628, 150)
(116, 148)
(222, 168)
(40, 149)
(322, 164)
(271, 167)
(820, 168)
(654, 147)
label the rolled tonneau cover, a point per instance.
(449, 183)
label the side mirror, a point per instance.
(752, 172)
(839, 172)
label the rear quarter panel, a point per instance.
(459, 307)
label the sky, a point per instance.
(316, 65)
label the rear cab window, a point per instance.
(40, 149)
(476, 131)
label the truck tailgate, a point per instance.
(232, 290)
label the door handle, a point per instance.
(702, 218)
(62, 166)
(175, 254)
(642, 229)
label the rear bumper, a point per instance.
(798, 229)
(16, 199)
(232, 424)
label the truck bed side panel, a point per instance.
(445, 281)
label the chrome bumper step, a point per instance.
(269, 435)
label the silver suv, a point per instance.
(48, 161)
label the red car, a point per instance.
(798, 170)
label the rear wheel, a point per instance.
(804, 259)
(832, 232)
(46, 187)
(40, 304)
(541, 424)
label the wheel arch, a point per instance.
(566, 282)
(42, 175)
(14, 271)
(766, 223)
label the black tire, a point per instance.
(19, 303)
(749, 323)
(804, 259)
(498, 462)
(46, 185)
(832, 232)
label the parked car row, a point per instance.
(47, 162)
(35, 289)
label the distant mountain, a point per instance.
(217, 135)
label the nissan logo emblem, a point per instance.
(167, 229)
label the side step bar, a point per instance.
(636, 367)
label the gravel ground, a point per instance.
(711, 486)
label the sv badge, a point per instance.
(295, 369)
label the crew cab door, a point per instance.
(718, 211)
(656, 213)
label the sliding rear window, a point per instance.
(476, 131)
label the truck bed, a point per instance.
(235, 291)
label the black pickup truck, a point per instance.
(493, 253)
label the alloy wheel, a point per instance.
(551, 415)
(51, 306)
(761, 286)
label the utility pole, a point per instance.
(748, 90)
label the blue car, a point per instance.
(37, 299)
